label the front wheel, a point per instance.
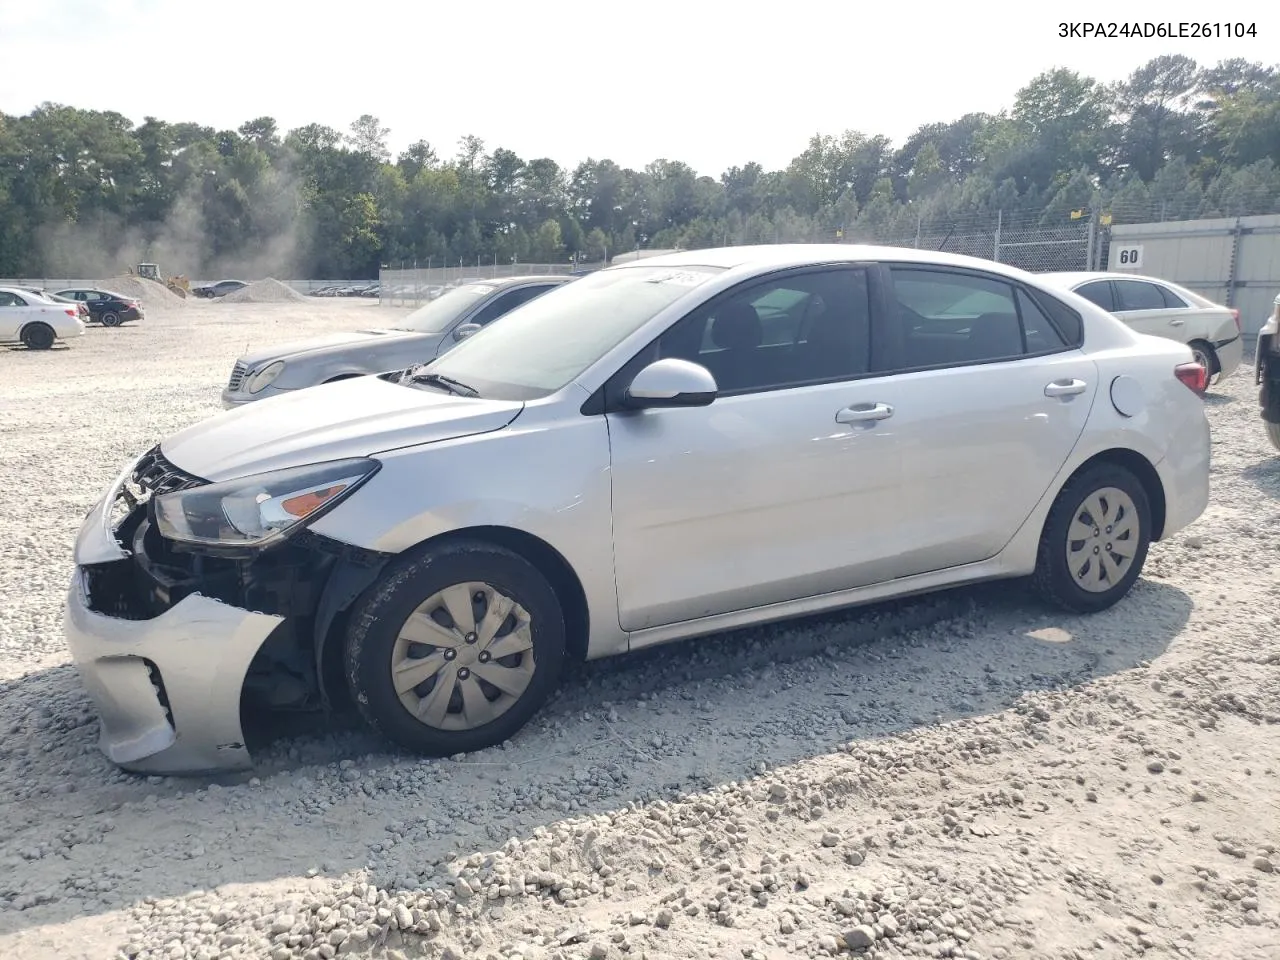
(38, 336)
(1095, 540)
(455, 648)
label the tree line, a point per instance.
(88, 192)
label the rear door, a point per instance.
(989, 393)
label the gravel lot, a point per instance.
(968, 776)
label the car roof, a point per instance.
(1081, 276)
(513, 281)
(761, 257)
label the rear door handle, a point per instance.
(1065, 388)
(864, 413)
(1176, 323)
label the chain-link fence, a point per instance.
(410, 286)
(1019, 242)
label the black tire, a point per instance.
(38, 336)
(111, 319)
(1205, 354)
(1053, 580)
(380, 613)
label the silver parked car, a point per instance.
(421, 336)
(1165, 309)
(659, 450)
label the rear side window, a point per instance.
(1067, 321)
(8, 299)
(1171, 299)
(1098, 292)
(1136, 295)
(947, 318)
(1040, 333)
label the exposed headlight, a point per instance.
(265, 376)
(255, 511)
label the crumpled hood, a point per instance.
(350, 418)
(285, 351)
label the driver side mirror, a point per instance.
(467, 330)
(671, 383)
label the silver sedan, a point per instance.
(661, 450)
(423, 335)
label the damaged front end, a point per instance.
(173, 638)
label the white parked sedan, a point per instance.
(1164, 309)
(36, 321)
(663, 449)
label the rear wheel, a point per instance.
(1095, 540)
(455, 649)
(1204, 355)
(38, 336)
(111, 319)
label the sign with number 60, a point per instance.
(1126, 258)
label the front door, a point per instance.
(782, 487)
(989, 397)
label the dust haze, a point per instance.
(185, 243)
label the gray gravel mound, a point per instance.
(265, 291)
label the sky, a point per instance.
(711, 83)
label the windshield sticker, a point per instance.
(680, 278)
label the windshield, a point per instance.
(542, 345)
(438, 315)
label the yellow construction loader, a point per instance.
(151, 271)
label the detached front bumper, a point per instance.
(170, 642)
(167, 689)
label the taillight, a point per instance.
(71, 312)
(1194, 377)
(1235, 315)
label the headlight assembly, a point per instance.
(265, 377)
(255, 511)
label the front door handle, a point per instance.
(864, 413)
(1176, 323)
(1065, 388)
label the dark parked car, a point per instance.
(219, 289)
(107, 308)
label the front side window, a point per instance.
(500, 306)
(808, 327)
(1136, 295)
(945, 318)
(556, 337)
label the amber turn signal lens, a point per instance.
(307, 503)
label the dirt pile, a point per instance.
(269, 290)
(151, 294)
